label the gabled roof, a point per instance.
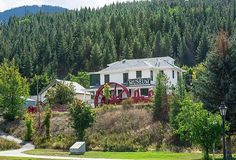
(127, 64)
(78, 88)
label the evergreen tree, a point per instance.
(202, 49)
(157, 45)
(216, 82)
(177, 96)
(95, 58)
(161, 106)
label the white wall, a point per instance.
(118, 77)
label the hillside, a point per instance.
(25, 10)
(89, 39)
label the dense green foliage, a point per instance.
(14, 90)
(82, 117)
(61, 93)
(7, 145)
(29, 123)
(177, 96)
(82, 78)
(198, 125)
(161, 104)
(89, 39)
(215, 80)
(40, 81)
(46, 122)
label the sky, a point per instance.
(70, 4)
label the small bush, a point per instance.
(57, 142)
(127, 103)
(40, 141)
(47, 123)
(7, 145)
(29, 126)
(62, 142)
(119, 143)
(81, 117)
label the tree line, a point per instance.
(89, 39)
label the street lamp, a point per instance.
(223, 110)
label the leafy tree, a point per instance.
(81, 117)
(14, 90)
(82, 78)
(43, 81)
(61, 93)
(161, 105)
(198, 125)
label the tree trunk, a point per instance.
(206, 154)
(228, 147)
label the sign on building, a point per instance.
(139, 81)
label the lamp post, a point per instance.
(223, 110)
(38, 107)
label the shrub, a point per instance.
(28, 119)
(7, 145)
(63, 142)
(48, 114)
(61, 94)
(127, 103)
(119, 142)
(81, 116)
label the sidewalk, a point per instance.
(29, 146)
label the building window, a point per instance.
(144, 91)
(151, 75)
(173, 74)
(161, 71)
(138, 74)
(95, 80)
(130, 92)
(125, 78)
(106, 78)
(178, 75)
(120, 95)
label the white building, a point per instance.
(79, 91)
(136, 73)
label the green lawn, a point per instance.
(19, 158)
(122, 155)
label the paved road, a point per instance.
(29, 146)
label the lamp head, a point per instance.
(223, 109)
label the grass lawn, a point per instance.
(19, 158)
(122, 155)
